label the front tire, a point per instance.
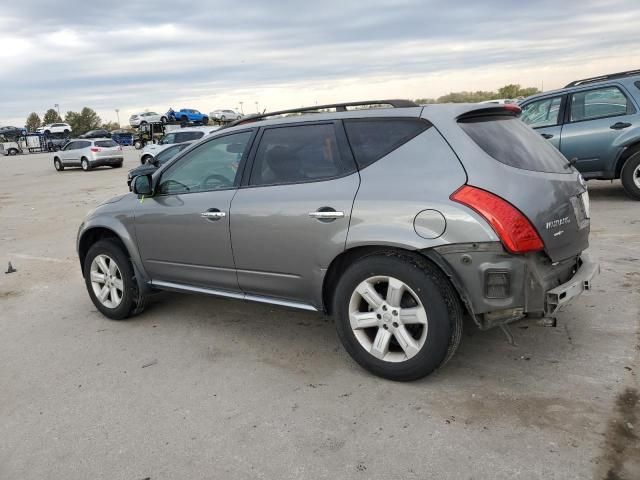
(138, 145)
(397, 315)
(110, 281)
(84, 163)
(58, 164)
(13, 151)
(630, 176)
(163, 120)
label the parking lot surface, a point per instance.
(206, 388)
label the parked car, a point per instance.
(594, 122)
(225, 115)
(396, 221)
(122, 137)
(188, 134)
(141, 118)
(55, 128)
(12, 132)
(155, 162)
(100, 133)
(88, 154)
(186, 115)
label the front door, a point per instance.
(545, 117)
(597, 118)
(183, 229)
(292, 218)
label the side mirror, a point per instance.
(142, 185)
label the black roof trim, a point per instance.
(608, 76)
(339, 107)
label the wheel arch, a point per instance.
(94, 234)
(347, 257)
(628, 152)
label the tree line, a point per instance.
(80, 122)
(512, 91)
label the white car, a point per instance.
(181, 135)
(225, 115)
(55, 128)
(138, 119)
(89, 153)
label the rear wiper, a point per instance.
(572, 162)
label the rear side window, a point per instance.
(105, 143)
(83, 144)
(373, 138)
(599, 103)
(513, 143)
(302, 153)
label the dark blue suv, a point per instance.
(595, 123)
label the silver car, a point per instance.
(188, 134)
(397, 221)
(225, 115)
(88, 154)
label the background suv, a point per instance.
(88, 154)
(225, 115)
(596, 123)
(396, 221)
(55, 128)
(141, 118)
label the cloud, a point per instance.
(137, 55)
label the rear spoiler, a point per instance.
(508, 109)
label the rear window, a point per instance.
(105, 143)
(510, 141)
(373, 138)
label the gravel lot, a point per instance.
(205, 388)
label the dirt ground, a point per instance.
(206, 388)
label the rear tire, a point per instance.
(117, 284)
(163, 120)
(84, 163)
(117, 165)
(138, 145)
(205, 120)
(424, 315)
(184, 119)
(630, 176)
(58, 164)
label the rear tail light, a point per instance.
(514, 229)
(512, 107)
(95, 149)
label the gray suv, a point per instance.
(397, 221)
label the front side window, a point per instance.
(211, 166)
(542, 113)
(84, 144)
(70, 146)
(599, 103)
(169, 153)
(302, 153)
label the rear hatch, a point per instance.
(106, 149)
(531, 174)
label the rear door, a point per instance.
(596, 119)
(291, 218)
(545, 117)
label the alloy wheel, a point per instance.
(636, 176)
(388, 319)
(106, 281)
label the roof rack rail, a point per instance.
(339, 107)
(608, 76)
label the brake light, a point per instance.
(95, 149)
(512, 107)
(514, 229)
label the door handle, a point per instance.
(546, 135)
(619, 125)
(326, 214)
(213, 215)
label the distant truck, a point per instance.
(186, 115)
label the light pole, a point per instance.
(57, 108)
(257, 109)
(118, 115)
(241, 110)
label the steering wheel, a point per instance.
(221, 181)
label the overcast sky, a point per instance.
(134, 55)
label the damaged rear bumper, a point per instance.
(580, 282)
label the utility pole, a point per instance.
(58, 110)
(257, 109)
(241, 110)
(118, 115)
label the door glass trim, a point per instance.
(631, 109)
